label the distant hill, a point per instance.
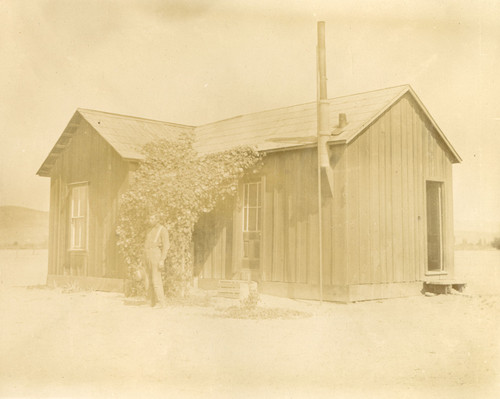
(23, 227)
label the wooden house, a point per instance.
(387, 217)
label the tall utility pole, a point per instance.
(323, 133)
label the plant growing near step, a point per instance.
(251, 301)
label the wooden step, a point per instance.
(444, 286)
(235, 289)
(229, 289)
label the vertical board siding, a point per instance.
(290, 229)
(52, 266)
(290, 220)
(339, 216)
(374, 225)
(302, 198)
(309, 168)
(268, 228)
(449, 226)
(397, 203)
(387, 167)
(278, 259)
(374, 206)
(404, 190)
(326, 227)
(212, 243)
(353, 222)
(379, 147)
(387, 120)
(365, 268)
(88, 158)
(420, 187)
(412, 217)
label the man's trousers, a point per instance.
(153, 282)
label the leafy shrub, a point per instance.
(251, 301)
(179, 185)
(496, 243)
(249, 309)
(259, 313)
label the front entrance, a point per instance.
(435, 260)
(252, 222)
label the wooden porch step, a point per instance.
(235, 289)
(444, 286)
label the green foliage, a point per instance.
(179, 185)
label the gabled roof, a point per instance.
(126, 134)
(296, 126)
(282, 128)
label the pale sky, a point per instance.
(196, 62)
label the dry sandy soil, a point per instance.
(94, 344)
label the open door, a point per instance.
(434, 194)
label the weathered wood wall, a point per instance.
(387, 167)
(289, 245)
(374, 225)
(290, 219)
(87, 158)
(212, 241)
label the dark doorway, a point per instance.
(434, 192)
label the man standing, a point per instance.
(155, 251)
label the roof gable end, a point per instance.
(407, 89)
(125, 134)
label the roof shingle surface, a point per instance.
(275, 129)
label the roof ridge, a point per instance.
(113, 114)
(406, 86)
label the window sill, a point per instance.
(440, 273)
(77, 250)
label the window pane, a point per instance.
(72, 234)
(245, 219)
(245, 195)
(83, 201)
(79, 205)
(252, 219)
(83, 233)
(74, 202)
(252, 197)
(77, 241)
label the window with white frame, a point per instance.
(79, 217)
(251, 207)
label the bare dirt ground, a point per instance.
(93, 344)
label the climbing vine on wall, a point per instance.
(179, 185)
